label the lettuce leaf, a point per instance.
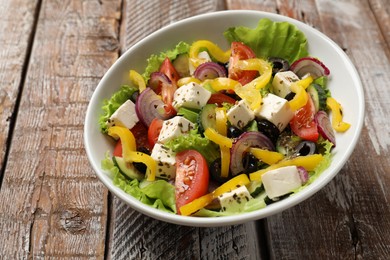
(155, 61)
(195, 141)
(112, 104)
(158, 194)
(271, 39)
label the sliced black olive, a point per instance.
(289, 96)
(306, 148)
(215, 171)
(141, 167)
(268, 129)
(279, 64)
(250, 163)
(233, 132)
(134, 96)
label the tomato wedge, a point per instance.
(219, 98)
(118, 149)
(303, 123)
(240, 51)
(140, 132)
(192, 177)
(154, 131)
(167, 91)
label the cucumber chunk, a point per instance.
(207, 117)
(127, 169)
(318, 95)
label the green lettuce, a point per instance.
(194, 141)
(112, 104)
(155, 61)
(271, 39)
(158, 194)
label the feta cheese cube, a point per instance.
(234, 200)
(124, 116)
(191, 95)
(282, 82)
(173, 128)
(166, 161)
(276, 110)
(203, 55)
(281, 181)
(240, 114)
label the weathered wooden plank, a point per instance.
(351, 214)
(17, 27)
(135, 236)
(381, 10)
(52, 204)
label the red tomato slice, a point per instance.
(140, 132)
(241, 51)
(154, 131)
(118, 149)
(170, 71)
(167, 91)
(303, 123)
(219, 98)
(192, 177)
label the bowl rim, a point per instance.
(243, 217)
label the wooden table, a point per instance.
(53, 54)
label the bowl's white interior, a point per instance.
(344, 84)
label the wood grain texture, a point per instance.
(136, 236)
(17, 27)
(52, 203)
(351, 215)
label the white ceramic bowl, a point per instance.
(345, 86)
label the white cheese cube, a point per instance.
(234, 201)
(281, 181)
(203, 55)
(282, 82)
(276, 110)
(173, 128)
(124, 116)
(240, 114)
(191, 95)
(166, 161)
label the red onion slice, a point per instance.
(310, 65)
(241, 146)
(156, 78)
(325, 127)
(303, 174)
(149, 106)
(209, 70)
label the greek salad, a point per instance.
(210, 132)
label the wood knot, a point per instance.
(72, 221)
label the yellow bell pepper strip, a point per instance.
(221, 120)
(213, 50)
(203, 201)
(251, 95)
(337, 115)
(138, 80)
(126, 136)
(186, 80)
(262, 66)
(129, 152)
(309, 162)
(151, 165)
(225, 161)
(219, 84)
(217, 138)
(299, 88)
(266, 156)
